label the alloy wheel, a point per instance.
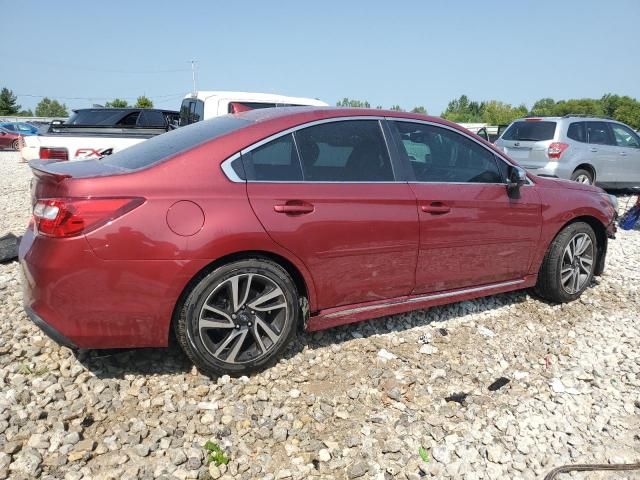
(577, 263)
(582, 178)
(243, 318)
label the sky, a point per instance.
(406, 52)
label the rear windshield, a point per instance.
(163, 146)
(533, 131)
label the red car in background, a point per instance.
(9, 139)
(237, 231)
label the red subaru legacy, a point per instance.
(237, 231)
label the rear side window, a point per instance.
(440, 155)
(576, 131)
(344, 151)
(530, 131)
(161, 147)
(598, 133)
(276, 161)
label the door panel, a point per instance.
(479, 236)
(627, 166)
(359, 241)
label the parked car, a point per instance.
(20, 128)
(589, 150)
(203, 105)
(9, 139)
(236, 231)
(95, 132)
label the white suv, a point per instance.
(585, 149)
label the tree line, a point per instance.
(52, 108)
(494, 112)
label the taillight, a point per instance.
(556, 149)
(67, 217)
(54, 153)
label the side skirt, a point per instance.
(332, 317)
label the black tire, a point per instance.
(550, 285)
(199, 348)
(15, 145)
(580, 174)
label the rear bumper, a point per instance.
(550, 169)
(82, 301)
(51, 332)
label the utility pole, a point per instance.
(193, 75)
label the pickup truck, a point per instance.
(95, 132)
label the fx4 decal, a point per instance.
(91, 152)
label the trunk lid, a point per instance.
(53, 179)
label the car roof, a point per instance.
(253, 97)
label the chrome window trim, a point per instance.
(464, 134)
(228, 169)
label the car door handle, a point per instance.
(294, 208)
(593, 149)
(623, 154)
(436, 208)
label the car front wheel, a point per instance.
(239, 318)
(568, 267)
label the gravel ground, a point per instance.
(352, 402)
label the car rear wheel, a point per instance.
(582, 176)
(15, 145)
(239, 318)
(568, 267)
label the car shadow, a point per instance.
(116, 363)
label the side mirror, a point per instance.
(517, 178)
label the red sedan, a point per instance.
(9, 139)
(239, 230)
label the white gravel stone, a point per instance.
(573, 395)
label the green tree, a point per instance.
(143, 102)
(397, 108)
(51, 108)
(26, 113)
(346, 102)
(8, 102)
(420, 109)
(463, 110)
(116, 103)
(629, 113)
(500, 113)
(581, 106)
(544, 107)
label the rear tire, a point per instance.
(239, 318)
(582, 176)
(569, 265)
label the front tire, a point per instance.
(569, 265)
(239, 318)
(15, 145)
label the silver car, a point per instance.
(585, 149)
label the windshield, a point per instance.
(533, 131)
(169, 144)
